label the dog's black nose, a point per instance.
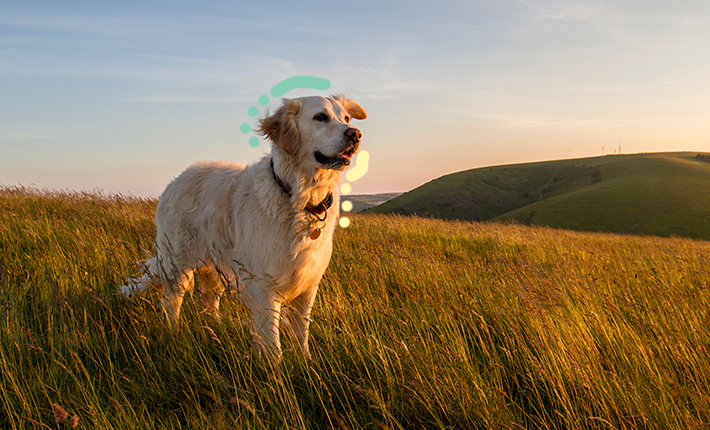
(353, 134)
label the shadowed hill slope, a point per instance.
(654, 194)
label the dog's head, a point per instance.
(316, 130)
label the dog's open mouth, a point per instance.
(338, 161)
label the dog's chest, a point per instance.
(306, 268)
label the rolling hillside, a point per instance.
(659, 194)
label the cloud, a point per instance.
(24, 137)
(567, 12)
(88, 30)
(186, 99)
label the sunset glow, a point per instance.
(123, 98)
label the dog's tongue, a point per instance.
(347, 155)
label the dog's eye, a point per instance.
(321, 117)
(347, 119)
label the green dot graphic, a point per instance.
(299, 82)
(277, 91)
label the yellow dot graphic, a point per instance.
(358, 170)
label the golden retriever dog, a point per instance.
(264, 230)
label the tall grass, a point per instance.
(418, 324)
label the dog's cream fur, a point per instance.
(239, 229)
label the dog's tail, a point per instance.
(137, 287)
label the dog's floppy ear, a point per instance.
(355, 110)
(281, 126)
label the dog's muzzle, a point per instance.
(342, 160)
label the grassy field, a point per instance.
(661, 194)
(419, 323)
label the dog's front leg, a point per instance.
(265, 314)
(266, 339)
(299, 317)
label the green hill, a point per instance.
(659, 194)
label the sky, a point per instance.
(122, 96)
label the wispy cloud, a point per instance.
(564, 12)
(24, 137)
(186, 99)
(115, 29)
(552, 122)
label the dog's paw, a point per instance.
(124, 292)
(130, 291)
